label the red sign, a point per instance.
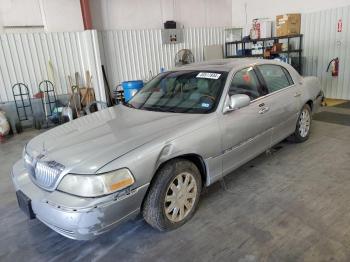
(340, 25)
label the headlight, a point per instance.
(96, 185)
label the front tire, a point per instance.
(174, 195)
(302, 130)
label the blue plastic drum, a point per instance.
(131, 88)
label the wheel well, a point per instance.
(195, 159)
(199, 162)
(310, 103)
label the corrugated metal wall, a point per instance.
(24, 57)
(126, 54)
(132, 54)
(322, 43)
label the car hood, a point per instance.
(86, 144)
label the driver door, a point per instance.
(246, 131)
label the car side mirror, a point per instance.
(237, 102)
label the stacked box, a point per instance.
(288, 24)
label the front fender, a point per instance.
(143, 162)
(204, 143)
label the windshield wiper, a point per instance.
(128, 105)
(154, 108)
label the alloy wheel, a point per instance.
(304, 123)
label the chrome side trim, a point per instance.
(247, 141)
(241, 143)
(273, 93)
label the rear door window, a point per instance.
(275, 77)
(245, 82)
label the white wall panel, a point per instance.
(322, 43)
(132, 54)
(39, 15)
(21, 13)
(126, 54)
(62, 15)
(151, 14)
(25, 57)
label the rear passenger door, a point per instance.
(283, 100)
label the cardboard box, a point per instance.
(265, 28)
(261, 28)
(288, 24)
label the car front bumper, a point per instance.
(76, 217)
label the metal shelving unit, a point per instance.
(242, 45)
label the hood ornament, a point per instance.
(43, 153)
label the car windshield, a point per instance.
(181, 92)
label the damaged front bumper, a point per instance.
(76, 217)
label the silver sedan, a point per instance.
(186, 129)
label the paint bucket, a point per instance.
(131, 88)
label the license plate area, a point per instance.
(25, 204)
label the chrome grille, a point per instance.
(47, 172)
(43, 173)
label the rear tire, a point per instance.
(302, 130)
(173, 196)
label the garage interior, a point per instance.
(288, 204)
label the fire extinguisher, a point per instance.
(334, 65)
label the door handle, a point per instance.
(264, 110)
(297, 94)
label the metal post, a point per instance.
(85, 11)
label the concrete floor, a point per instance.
(291, 205)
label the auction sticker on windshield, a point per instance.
(208, 75)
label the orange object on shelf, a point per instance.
(277, 47)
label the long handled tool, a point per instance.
(75, 93)
(108, 91)
(88, 95)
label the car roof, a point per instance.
(225, 65)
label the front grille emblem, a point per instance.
(43, 172)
